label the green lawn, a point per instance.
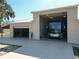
(76, 52)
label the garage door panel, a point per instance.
(21, 32)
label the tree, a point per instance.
(6, 12)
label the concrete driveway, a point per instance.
(42, 49)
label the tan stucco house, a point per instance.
(58, 23)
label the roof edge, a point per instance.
(55, 8)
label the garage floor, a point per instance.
(34, 49)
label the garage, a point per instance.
(21, 32)
(54, 26)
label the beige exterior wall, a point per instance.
(36, 27)
(73, 26)
(72, 22)
(6, 33)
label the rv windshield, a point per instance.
(55, 26)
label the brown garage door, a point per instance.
(21, 32)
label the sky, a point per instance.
(23, 8)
